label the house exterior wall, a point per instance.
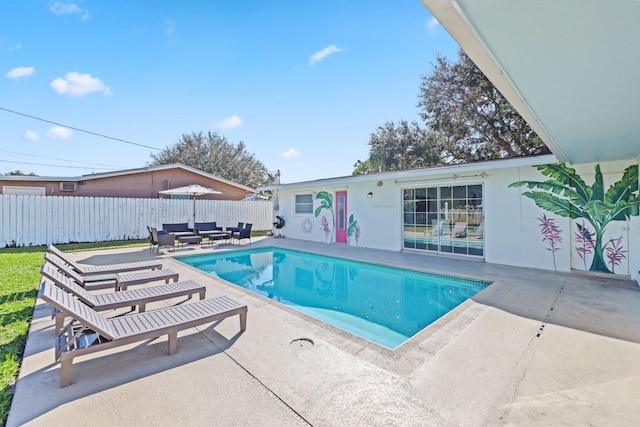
(136, 185)
(512, 221)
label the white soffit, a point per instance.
(570, 67)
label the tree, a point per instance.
(478, 123)
(214, 154)
(400, 146)
(18, 172)
(566, 194)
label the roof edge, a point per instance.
(415, 173)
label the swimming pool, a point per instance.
(381, 304)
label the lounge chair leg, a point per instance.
(173, 342)
(243, 321)
(65, 372)
(59, 322)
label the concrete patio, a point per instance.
(535, 348)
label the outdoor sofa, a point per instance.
(178, 229)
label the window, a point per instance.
(445, 219)
(304, 203)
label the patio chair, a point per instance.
(438, 227)
(243, 233)
(114, 281)
(459, 230)
(161, 238)
(477, 233)
(107, 268)
(235, 229)
(134, 298)
(89, 332)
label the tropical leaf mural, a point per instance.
(353, 229)
(566, 194)
(326, 202)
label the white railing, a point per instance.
(40, 220)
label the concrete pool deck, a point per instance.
(535, 348)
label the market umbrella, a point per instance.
(193, 190)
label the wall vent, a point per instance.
(68, 186)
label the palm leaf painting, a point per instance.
(326, 202)
(566, 194)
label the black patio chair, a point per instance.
(243, 233)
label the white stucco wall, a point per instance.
(512, 233)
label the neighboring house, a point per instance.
(133, 183)
(575, 210)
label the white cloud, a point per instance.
(60, 8)
(19, 72)
(320, 55)
(230, 122)
(76, 84)
(432, 24)
(31, 136)
(58, 132)
(291, 153)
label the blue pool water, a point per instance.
(381, 304)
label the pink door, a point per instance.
(341, 217)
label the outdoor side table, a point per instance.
(189, 240)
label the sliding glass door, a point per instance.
(445, 219)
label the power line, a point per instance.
(56, 158)
(53, 166)
(78, 129)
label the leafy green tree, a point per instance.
(566, 194)
(398, 147)
(214, 154)
(458, 102)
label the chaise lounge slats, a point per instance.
(131, 328)
(112, 300)
(107, 268)
(116, 281)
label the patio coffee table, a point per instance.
(189, 240)
(217, 235)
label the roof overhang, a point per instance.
(569, 67)
(452, 172)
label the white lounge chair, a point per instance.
(459, 230)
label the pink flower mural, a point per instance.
(552, 234)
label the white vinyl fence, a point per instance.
(40, 220)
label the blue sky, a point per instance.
(302, 83)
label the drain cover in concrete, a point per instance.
(301, 344)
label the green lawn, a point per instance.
(19, 280)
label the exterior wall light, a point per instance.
(370, 195)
